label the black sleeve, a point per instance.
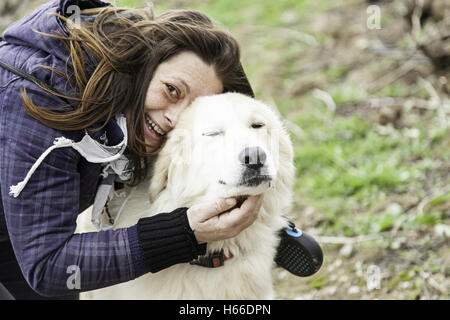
(167, 239)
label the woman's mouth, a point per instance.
(153, 130)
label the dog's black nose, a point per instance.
(252, 157)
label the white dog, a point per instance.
(223, 145)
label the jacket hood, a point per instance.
(27, 50)
(41, 19)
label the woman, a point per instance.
(105, 96)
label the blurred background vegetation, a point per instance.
(368, 110)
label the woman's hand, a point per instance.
(211, 221)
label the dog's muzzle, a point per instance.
(253, 159)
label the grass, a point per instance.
(363, 168)
(235, 13)
(232, 13)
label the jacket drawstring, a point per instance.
(90, 149)
(60, 142)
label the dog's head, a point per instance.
(224, 145)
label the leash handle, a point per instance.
(298, 252)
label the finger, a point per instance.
(245, 215)
(207, 210)
(234, 222)
(252, 203)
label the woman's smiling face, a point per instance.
(175, 84)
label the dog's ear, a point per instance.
(171, 154)
(286, 169)
(287, 153)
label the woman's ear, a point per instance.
(169, 159)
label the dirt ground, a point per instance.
(398, 263)
(409, 265)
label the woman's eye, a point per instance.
(173, 91)
(257, 125)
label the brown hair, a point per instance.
(123, 47)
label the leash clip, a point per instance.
(213, 260)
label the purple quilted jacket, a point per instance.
(40, 222)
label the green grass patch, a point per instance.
(347, 94)
(129, 3)
(317, 282)
(234, 13)
(395, 89)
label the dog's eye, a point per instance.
(212, 133)
(257, 125)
